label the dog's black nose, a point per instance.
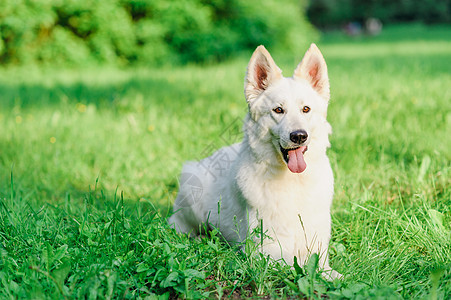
(298, 136)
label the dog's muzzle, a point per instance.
(299, 136)
(294, 156)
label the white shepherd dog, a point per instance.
(279, 174)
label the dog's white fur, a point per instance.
(254, 183)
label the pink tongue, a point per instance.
(296, 162)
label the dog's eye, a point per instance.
(305, 109)
(278, 110)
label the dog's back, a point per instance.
(203, 184)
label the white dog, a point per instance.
(279, 174)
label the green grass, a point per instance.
(89, 161)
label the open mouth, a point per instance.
(294, 158)
(286, 155)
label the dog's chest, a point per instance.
(280, 200)
(287, 203)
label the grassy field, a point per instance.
(89, 161)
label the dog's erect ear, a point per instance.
(313, 68)
(261, 72)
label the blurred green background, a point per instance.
(152, 32)
(72, 32)
(330, 13)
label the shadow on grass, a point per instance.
(107, 95)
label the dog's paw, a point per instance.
(331, 275)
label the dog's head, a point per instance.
(291, 110)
